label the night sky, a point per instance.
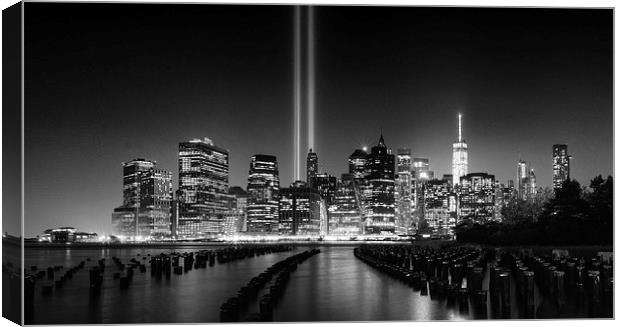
(106, 83)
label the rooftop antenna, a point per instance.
(460, 139)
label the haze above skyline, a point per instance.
(106, 83)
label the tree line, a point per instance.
(571, 215)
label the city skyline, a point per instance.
(503, 121)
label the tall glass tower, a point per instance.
(312, 167)
(358, 165)
(380, 206)
(263, 195)
(522, 179)
(299, 210)
(203, 188)
(147, 197)
(561, 165)
(345, 213)
(459, 157)
(403, 190)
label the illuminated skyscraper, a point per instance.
(380, 207)
(421, 174)
(312, 167)
(358, 165)
(532, 190)
(323, 218)
(299, 211)
(421, 167)
(504, 194)
(326, 185)
(345, 212)
(156, 202)
(358, 170)
(403, 160)
(133, 173)
(522, 180)
(263, 195)
(477, 197)
(561, 165)
(235, 217)
(459, 157)
(147, 197)
(440, 206)
(203, 188)
(404, 191)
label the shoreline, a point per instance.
(430, 243)
(198, 244)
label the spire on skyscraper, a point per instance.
(459, 155)
(460, 129)
(381, 141)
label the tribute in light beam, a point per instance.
(297, 94)
(304, 84)
(310, 67)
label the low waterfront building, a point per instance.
(67, 235)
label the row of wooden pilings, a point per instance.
(233, 309)
(574, 287)
(50, 272)
(160, 265)
(439, 273)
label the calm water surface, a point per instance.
(331, 286)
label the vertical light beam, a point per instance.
(297, 94)
(310, 72)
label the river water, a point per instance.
(330, 286)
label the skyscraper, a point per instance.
(380, 215)
(561, 165)
(147, 196)
(203, 188)
(133, 173)
(156, 202)
(440, 206)
(503, 196)
(299, 212)
(326, 185)
(358, 170)
(421, 174)
(345, 213)
(263, 195)
(522, 180)
(403, 191)
(421, 167)
(312, 167)
(235, 217)
(532, 190)
(477, 197)
(459, 157)
(358, 165)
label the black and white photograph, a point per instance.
(207, 163)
